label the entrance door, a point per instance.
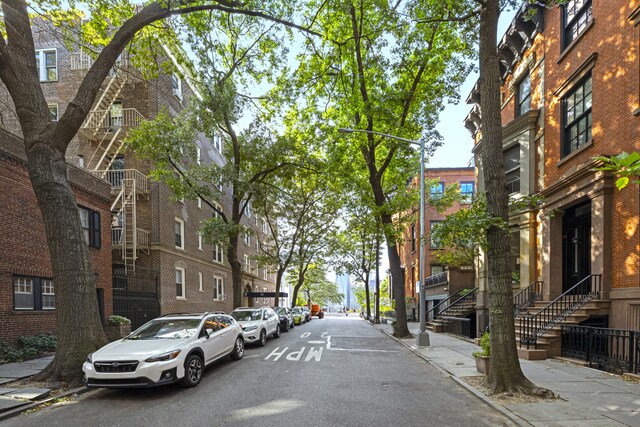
(576, 245)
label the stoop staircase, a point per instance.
(538, 327)
(461, 304)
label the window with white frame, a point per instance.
(81, 160)
(48, 295)
(198, 155)
(179, 233)
(247, 210)
(218, 288)
(180, 283)
(218, 254)
(33, 293)
(257, 243)
(47, 64)
(511, 160)
(199, 240)
(200, 281)
(90, 223)
(435, 244)
(176, 85)
(264, 226)
(246, 238)
(264, 298)
(437, 190)
(247, 263)
(466, 191)
(523, 95)
(216, 211)
(220, 184)
(217, 142)
(265, 274)
(53, 112)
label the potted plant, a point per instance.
(483, 356)
(117, 327)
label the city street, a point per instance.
(335, 371)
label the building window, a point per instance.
(435, 244)
(33, 293)
(523, 96)
(436, 269)
(247, 210)
(176, 86)
(264, 298)
(576, 117)
(116, 116)
(247, 264)
(200, 281)
(265, 274)
(413, 237)
(218, 255)
(437, 190)
(247, 239)
(216, 212)
(180, 288)
(511, 161)
(264, 226)
(47, 65)
(218, 288)
(90, 223)
(576, 15)
(216, 141)
(199, 240)
(81, 160)
(179, 232)
(53, 112)
(466, 192)
(198, 155)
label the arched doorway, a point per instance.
(246, 301)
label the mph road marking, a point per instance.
(314, 353)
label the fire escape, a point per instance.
(106, 127)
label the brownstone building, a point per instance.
(161, 263)
(27, 288)
(571, 91)
(441, 280)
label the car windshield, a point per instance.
(172, 329)
(280, 310)
(296, 310)
(247, 315)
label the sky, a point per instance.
(456, 151)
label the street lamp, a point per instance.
(422, 339)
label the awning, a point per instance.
(264, 294)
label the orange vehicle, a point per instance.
(317, 311)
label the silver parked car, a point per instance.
(257, 323)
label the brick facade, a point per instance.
(23, 242)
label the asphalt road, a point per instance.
(336, 371)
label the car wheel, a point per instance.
(263, 338)
(293, 325)
(286, 326)
(193, 369)
(276, 334)
(238, 349)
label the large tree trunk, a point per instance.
(506, 374)
(236, 271)
(79, 331)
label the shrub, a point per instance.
(118, 320)
(485, 346)
(41, 342)
(29, 347)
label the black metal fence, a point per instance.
(460, 326)
(135, 295)
(614, 350)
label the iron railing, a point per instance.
(534, 326)
(442, 305)
(436, 279)
(460, 297)
(527, 297)
(614, 350)
(107, 121)
(460, 326)
(135, 295)
(116, 178)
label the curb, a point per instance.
(510, 415)
(21, 409)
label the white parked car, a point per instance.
(257, 323)
(167, 349)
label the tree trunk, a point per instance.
(236, 271)
(366, 294)
(79, 331)
(506, 374)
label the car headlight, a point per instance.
(250, 328)
(89, 358)
(164, 356)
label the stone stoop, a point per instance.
(461, 310)
(549, 344)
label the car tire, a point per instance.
(263, 338)
(238, 349)
(286, 326)
(276, 334)
(193, 370)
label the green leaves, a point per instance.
(625, 165)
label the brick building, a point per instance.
(571, 91)
(161, 263)
(27, 289)
(453, 279)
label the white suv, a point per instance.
(257, 323)
(167, 349)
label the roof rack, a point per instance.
(184, 314)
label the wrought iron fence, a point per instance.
(460, 326)
(614, 350)
(527, 297)
(135, 295)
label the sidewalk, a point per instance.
(588, 397)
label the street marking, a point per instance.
(305, 335)
(295, 356)
(314, 354)
(275, 354)
(316, 342)
(364, 350)
(324, 334)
